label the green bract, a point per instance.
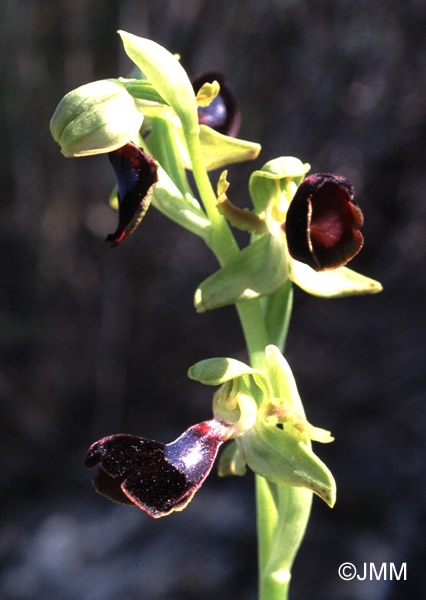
(282, 458)
(167, 75)
(94, 118)
(258, 269)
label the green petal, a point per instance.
(257, 270)
(95, 118)
(167, 76)
(332, 284)
(207, 93)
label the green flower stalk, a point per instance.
(302, 229)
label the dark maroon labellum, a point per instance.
(157, 477)
(323, 221)
(136, 175)
(222, 113)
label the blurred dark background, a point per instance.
(96, 341)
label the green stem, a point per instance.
(222, 242)
(277, 550)
(282, 511)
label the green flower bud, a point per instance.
(95, 118)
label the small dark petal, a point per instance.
(323, 221)
(222, 113)
(136, 175)
(158, 478)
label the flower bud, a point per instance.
(158, 478)
(323, 221)
(136, 175)
(222, 113)
(95, 118)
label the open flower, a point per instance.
(136, 175)
(323, 222)
(304, 230)
(158, 478)
(222, 113)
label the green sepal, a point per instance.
(219, 150)
(231, 461)
(95, 118)
(257, 270)
(167, 75)
(335, 283)
(285, 406)
(282, 458)
(282, 380)
(273, 178)
(220, 370)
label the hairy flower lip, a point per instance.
(136, 175)
(222, 113)
(323, 222)
(158, 478)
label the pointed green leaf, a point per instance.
(257, 270)
(167, 76)
(332, 284)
